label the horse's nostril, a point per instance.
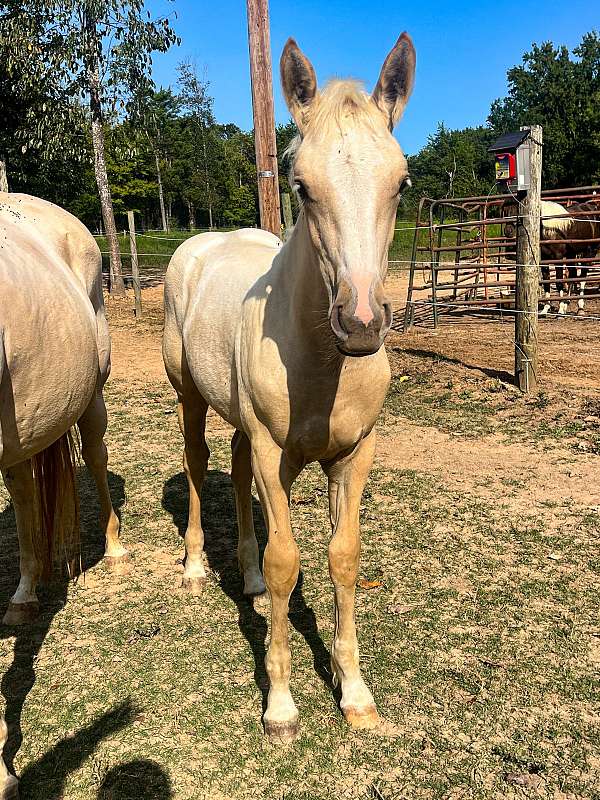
(337, 324)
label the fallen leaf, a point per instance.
(403, 378)
(554, 556)
(365, 584)
(527, 780)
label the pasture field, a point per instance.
(478, 605)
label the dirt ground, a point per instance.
(477, 607)
(471, 355)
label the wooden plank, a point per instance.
(264, 115)
(137, 289)
(528, 271)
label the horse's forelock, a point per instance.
(341, 104)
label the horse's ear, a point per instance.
(396, 80)
(298, 81)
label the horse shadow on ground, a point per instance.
(498, 374)
(46, 777)
(220, 544)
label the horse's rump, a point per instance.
(56, 504)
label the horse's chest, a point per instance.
(314, 415)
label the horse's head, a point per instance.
(349, 172)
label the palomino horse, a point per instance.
(570, 230)
(54, 360)
(285, 343)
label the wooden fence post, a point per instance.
(288, 220)
(135, 274)
(3, 177)
(528, 269)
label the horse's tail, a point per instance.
(56, 534)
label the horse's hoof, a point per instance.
(118, 565)
(10, 791)
(366, 718)
(580, 312)
(254, 587)
(21, 614)
(194, 585)
(282, 732)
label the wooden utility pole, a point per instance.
(528, 269)
(264, 115)
(135, 273)
(3, 177)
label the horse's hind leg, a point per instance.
(191, 412)
(24, 606)
(92, 427)
(241, 476)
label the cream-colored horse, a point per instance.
(54, 361)
(285, 343)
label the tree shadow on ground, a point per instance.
(499, 374)
(220, 544)
(20, 677)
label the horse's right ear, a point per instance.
(298, 81)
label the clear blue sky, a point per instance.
(464, 49)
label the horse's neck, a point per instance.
(305, 296)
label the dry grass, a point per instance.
(482, 644)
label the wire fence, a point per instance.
(459, 258)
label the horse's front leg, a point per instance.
(347, 478)
(274, 477)
(583, 272)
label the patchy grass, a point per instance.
(476, 405)
(482, 644)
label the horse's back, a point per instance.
(49, 350)
(239, 257)
(207, 280)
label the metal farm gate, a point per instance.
(464, 253)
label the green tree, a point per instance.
(98, 51)
(195, 100)
(561, 93)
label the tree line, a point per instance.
(86, 128)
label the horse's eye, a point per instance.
(405, 184)
(301, 190)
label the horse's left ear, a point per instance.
(396, 80)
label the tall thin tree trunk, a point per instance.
(117, 287)
(161, 197)
(192, 215)
(207, 179)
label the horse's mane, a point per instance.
(341, 104)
